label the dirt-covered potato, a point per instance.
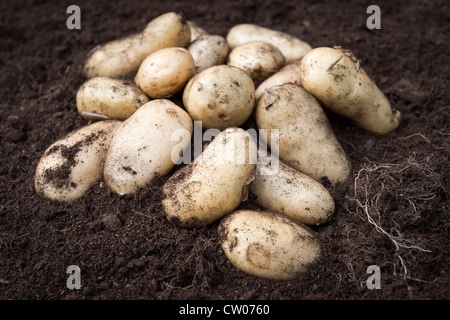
(289, 73)
(108, 98)
(141, 147)
(196, 30)
(221, 97)
(335, 78)
(124, 56)
(165, 72)
(306, 140)
(71, 165)
(208, 51)
(289, 191)
(260, 59)
(215, 183)
(292, 47)
(268, 245)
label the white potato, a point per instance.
(208, 51)
(334, 77)
(268, 245)
(109, 98)
(306, 140)
(165, 72)
(215, 183)
(292, 47)
(260, 59)
(196, 30)
(141, 147)
(71, 165)
(221, 97)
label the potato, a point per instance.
(71, 165)
(334, 77)
(289, 73)
(208, 51)
(291, 47)
(214, 184)
(109, 98)
(268, 245)
(165, 72)
(141, 147)
(306, 140)
(260, 59)
(291, 192)
(196, 30)
(221, 97)
(124, 56)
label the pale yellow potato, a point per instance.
(221, 97)
(289, 73)
(196, 30)
(289, 191)
(215, 183)
(71, 165)
(260, 59)
(268, 245)
(306, 140)
(208, 51)
(335, 78)
(165, 72)
(124, 56)
(292, 47)
(141, 147)
(109, 98)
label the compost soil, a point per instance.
(392, 213)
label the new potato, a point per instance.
(196, 30)
(268, 245)
(208, 51)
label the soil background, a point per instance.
(393, 212)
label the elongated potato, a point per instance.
(306, 140)
(109, 98)
(71, 165)
(141, 147)
(221, 97)
(208, 51)
(289, 191)
(260, 59)
(215, 183)
(196, 30)
(124, 56)
(165, 72)
(334, 77)
(292, 47)
(268, 245)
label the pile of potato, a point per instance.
(277, 78)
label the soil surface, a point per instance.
(392, 213)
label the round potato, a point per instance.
(141, 147)
(221, 97)
(306, 140)
(108, 98)
(124, 56)
(196, 30)
(165, 72)
(292, 47)
(268, 245)
(208, 51)
(334, 77)
(259, 59)
(215, 183)
(71, 165)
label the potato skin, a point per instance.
(292, 47)
(112, 98)
(214, 184)
(335, 80)
(71, 165)
(141, 147)
(268, 245)
(124, 56)
(221, 97)
(306, 140)
(196, 30)
(165, 72)
(208, 51)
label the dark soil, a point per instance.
(393, 212)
